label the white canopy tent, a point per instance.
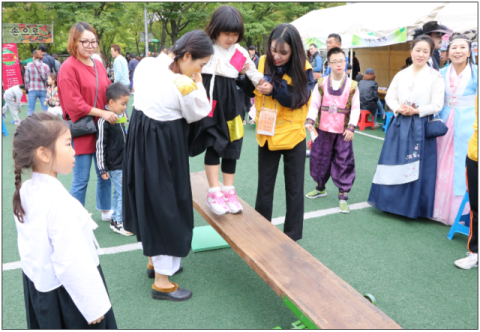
(379, 31)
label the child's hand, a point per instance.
(348, 135)
(105, 176)
(311, 128)
(317, 75)
(244, 70)
(45, 103)
(97, 321)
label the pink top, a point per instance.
(334, 122)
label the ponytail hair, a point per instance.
(196, 43)
(37, 130)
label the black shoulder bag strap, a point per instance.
(96, 78)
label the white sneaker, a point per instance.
(468, 262)
(107, 216)
(16, 123)
(216, 202)
(231, 200)
(118, 228)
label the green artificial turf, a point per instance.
(406, 264)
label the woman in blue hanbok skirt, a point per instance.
(404, 182)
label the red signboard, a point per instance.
(11, 67)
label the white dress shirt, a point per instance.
(426, 90)
(56, 245)
(157, 96)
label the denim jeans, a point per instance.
(81, 175)
(380, 109)
(32, 99)
(116, 178)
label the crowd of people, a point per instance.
(191, 100)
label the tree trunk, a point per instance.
(265, 43)
(174, 34)
(164, 35)
(249, 42)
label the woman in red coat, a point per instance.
(77, 87)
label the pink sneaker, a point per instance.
(216, 202)
(232, 202)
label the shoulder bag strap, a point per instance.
(96, 78)
(40, 74)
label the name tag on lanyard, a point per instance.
(266, 122)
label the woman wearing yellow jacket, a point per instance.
(472, 185)
(282, 100)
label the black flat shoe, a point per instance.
(151, 272)
(178, 295)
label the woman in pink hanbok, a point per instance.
(458, 113)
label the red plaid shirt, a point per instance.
(32, 78)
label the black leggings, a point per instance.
(212, 159)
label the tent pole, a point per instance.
(351, 57)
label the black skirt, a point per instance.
(56, 310)
(213, 131)
(157, 196)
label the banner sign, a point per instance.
(11, 74)
(396, 37)
(317, 41)
(27, 33)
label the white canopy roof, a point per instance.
(383, 19)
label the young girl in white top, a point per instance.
(62, 279)
(221, 133)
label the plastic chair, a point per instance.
(457, 227)
(4, 128)
(364, 121)
(388, 118)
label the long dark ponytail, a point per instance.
(287, 33)
(35, 131)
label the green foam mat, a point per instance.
(206, 238)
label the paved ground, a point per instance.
(406, 264)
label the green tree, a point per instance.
(179, 17)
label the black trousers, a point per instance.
(472, 185)
(294, 171)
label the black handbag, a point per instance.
(85, 125)
(435, 127)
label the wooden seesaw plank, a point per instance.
(327, 300)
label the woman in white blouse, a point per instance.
(157, 194)
(404, 182)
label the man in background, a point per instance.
(131, 68)
(47, 58)
(356, 66)
(315, 61)
(120, 66)
(253, 56)
(57, 63)
(333, 40)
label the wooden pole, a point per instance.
(388, 73)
